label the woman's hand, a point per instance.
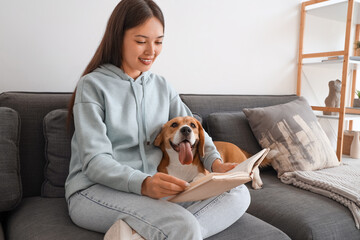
(219, 166)
(162, 185)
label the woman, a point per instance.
(118, 109)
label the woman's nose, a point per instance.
(150, 49)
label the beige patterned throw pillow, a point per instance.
(294, 135)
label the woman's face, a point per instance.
(142, 44)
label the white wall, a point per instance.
(211, 46)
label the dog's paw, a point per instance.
(257, 182)
(255, 185)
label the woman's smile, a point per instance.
(145, 61)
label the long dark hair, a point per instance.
(127, 14)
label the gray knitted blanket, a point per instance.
(341, 184)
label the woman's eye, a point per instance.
(174, 125)
(140, 42)
(193, 125)
(158, 43)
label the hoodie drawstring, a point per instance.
(141, 125)
(144, 114)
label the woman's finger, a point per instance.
(171, 187)
(179, 182)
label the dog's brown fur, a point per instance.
(229, 152)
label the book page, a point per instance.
(210, 188)
(249, 164)
(216, 176)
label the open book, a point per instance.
(214, 184)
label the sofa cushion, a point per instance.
(45, 218)
(10, 187)
(250, 228)
(32, 108)
(198, 117)
(299, 213)
(57, 153)
(48, 218)
(294, 136)
(232, 127)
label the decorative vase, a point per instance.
(355, 146)
(356, 103)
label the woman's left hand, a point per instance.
(219, 166)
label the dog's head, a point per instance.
(184, 135)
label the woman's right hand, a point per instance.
(162, 185)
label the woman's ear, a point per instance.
(201, 147)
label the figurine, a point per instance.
(333, 99)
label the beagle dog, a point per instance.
(182, 142)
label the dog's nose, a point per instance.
(185, 130)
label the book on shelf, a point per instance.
(214, 184)
(355, 58)
(333, 58)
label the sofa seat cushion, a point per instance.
(299, 213)
(45, 218)
(10, 187)
(250, 228)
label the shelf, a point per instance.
(352, 110)
(315, 62)
(354, 64)
(336, 117)
(347, 158)
(333, 9)
(348, 110)
(333, 5)
(351, 113)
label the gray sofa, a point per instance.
(39, 211)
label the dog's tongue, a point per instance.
(185, 154)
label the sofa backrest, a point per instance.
(224, 120)
(204, 105)
(33, 107)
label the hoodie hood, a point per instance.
(112, 70)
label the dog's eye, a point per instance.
(192, 125)
(174, 125)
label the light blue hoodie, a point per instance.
(116, 122)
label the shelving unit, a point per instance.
(348, 117)
(334, 9)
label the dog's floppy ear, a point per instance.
(159, 138)
(201, 147)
